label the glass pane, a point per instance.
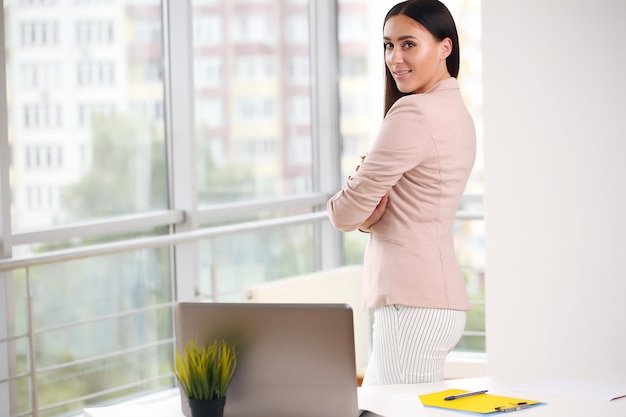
(252, 99)
(470, 249)
(230, 263)
(22, 386)
(102, 327)
(85, 106)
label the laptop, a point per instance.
(294, 360)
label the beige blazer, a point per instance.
(422, 156)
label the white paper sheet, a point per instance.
(576, 389)
(390, 404)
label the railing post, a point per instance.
(32, 358)
(8, 391)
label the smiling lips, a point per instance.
(400, 74)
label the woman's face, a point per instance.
(415, 58)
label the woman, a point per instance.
(406, 193)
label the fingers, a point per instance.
(382, 204)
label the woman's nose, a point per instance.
(396, 56)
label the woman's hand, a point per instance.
(376, 214)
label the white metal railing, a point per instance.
(156, 241)
(28, 262)
(112, 225)
(148, 221)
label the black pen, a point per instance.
(467, 394)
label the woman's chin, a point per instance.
(404, 89)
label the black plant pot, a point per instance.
(207, 408)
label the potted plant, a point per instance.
(204, 374)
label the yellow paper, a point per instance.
(480, 403)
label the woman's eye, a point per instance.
(409, 45)
(388, 45)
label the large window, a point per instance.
(155, 152)
(86, 133)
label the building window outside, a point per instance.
(36, 2)
(253, 28)
(43, 157)
(208, 31)
(294, 28)
(252, 68)
(211, 112)
(86, 112)
(42, 115)
(300, 149)
(94, 32)
(42, 197)
(95, 73)
(353, 66)
(208, 72)
(299, 69)
(39, 33)
(40, 75)
(255, 110)
(146, 31)
(299, 109)
(353, 27)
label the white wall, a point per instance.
(555, 190)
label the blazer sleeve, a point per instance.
(399, 146)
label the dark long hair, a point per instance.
(436, 18)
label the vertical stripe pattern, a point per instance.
(410, 344)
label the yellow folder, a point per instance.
(479, 404)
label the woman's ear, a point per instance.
(445, 48)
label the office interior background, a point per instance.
(161, 151)
(152, 152)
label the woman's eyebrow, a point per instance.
(401, 38)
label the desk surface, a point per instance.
(557, 406)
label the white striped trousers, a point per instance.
(410, 344)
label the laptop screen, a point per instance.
(294, 360)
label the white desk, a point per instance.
(558, 406)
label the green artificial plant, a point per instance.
(204, 372)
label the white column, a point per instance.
(555, 178)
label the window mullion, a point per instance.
(5, 191)
(325, 120)
(7, 354)
(178, 26)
